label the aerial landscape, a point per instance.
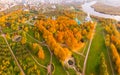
(59, 37)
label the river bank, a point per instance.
(106, 9)
(87, 8)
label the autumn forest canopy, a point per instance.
(57, 40)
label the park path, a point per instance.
(86, 57)
(50, 63)
(81, 54)
(36, 60)
(3, 35)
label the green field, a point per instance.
(97, 46)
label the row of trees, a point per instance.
(116, 57)
(103, 65)
(38, 50)
(112, 41)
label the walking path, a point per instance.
(36, 60)
(50, 64)
(34, 39)
(81, 54)
(86, 57)
(49, 67)
(3, 35)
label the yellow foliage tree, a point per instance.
(116, 57)
(41, 54)
(23, 41)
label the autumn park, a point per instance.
(57, 40)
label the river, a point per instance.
(86, 7)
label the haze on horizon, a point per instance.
(109, 2)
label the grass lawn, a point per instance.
(79, 60)
(7, 30)
(46, 51)
(72, 72)
(86, 48)
(58, 67)
(97, 46)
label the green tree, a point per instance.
(103, 66)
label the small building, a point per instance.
(70, 63)
(53, 18)
(88, 18)
(72, 8)
(35, 17)
(78, 21)
(17, 38)
(53, 7)
(25, 9)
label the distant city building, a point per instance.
(72, 8)
(24, 2)
(25, 9)
(53, 7)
